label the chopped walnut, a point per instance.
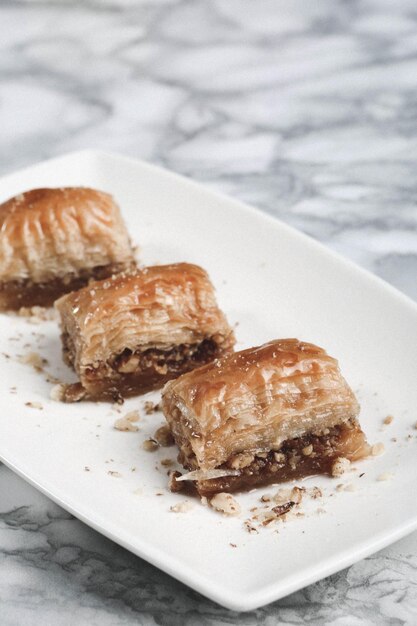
(164, 436)
(34, 359)
(282, 509)
(239, 461)
(57, 392)
(34, 405)
(315, 493)
(293, 461)
(266, 497)
(307, 450)
(297, 494)
(225, 503)
(286, 495)
(39, 313)
(250, 527)
(280, 457)
(133, 416)
(282, 495)
(182, 507)
(125, 423)
(340, 466)
(129, 365)
(150, 407)
(377, 449)
(150, 445)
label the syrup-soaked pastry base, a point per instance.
(143, 370)
(297, 458)
(26, 293)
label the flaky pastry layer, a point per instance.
(255, 400)
(138, 330)
(47, 234)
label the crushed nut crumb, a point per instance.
(57, 392)
(239, 461)
(33, 359)
(125, 423)
(225, 503)
(266, 498)
(388, 420)
(150, 445)
(340, 466)
(282, 509)
(250, 527)
(182, 507)
(315, 492)
(38, 313)
(150, 407)
(285, 495)
(377, 449)
(34, 405)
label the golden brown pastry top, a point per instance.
(256, 399)
(46, 233)
(158, 306)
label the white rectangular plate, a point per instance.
(275, 282)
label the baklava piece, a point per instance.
(268, 414)
(53, 241)
(132, 333)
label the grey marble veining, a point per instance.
(307, 110)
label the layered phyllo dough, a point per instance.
(53, 241)
(132, 333)
(268, 414)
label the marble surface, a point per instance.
(305, 109)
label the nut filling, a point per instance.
(15, 294)
(133, 332)
(175, 360)
(152, 367)
(290, 462)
